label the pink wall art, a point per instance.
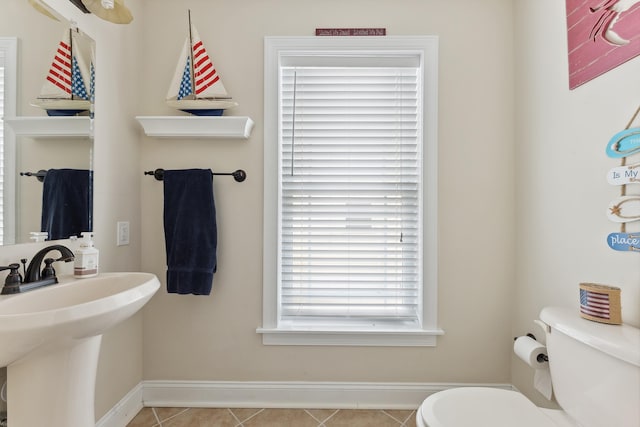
(601, 34)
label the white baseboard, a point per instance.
(125, 410)
(308, 395)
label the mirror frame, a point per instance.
(9, 48)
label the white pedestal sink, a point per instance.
(50, 341)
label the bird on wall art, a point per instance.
(610, 14)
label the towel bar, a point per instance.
(39, 175)
(238, 175)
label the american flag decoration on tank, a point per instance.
(600, 303)
(594, 304)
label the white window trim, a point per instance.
(9, 45)
(274, 48)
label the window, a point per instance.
(8, 82)
(350, 191)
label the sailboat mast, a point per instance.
(192, 67)
(71, 59)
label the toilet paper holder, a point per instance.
(540, 357)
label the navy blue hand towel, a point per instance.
(190, 231)
(67, 196)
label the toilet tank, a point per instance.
(595, 368)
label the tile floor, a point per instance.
(216, 417)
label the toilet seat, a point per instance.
(479, 407)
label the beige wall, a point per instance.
(562, 194)
(214, 338)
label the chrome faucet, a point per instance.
(34, 278)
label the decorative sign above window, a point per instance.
(351, 31)
(602, 34)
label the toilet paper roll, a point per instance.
(528, 350)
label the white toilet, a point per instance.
(595, 372)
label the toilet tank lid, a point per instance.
(619, 341)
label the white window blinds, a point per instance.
(350, 193)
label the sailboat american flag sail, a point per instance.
(196, 86)
(64, 91)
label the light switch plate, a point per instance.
(123, 233)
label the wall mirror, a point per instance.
(45, 144)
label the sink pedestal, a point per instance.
(50, 340)
(54, 386)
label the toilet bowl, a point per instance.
(484, 406)
(606, 396)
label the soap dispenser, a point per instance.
(86, 258)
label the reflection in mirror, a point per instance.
(62, 204)
(67, 87)
(59, 200)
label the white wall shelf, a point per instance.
(50, 127)
(196, 126)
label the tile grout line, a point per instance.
(392, 417)
(401, 422)
(322, 424)
(155, 415)
(171, 417)
(238, 422)
(410, 417)
(311, 415)
(257, 412)
(319, 421)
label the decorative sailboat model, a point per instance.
(65, 91)
(196, 87)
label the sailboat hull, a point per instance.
(65, 113)
(62, 107)
(202, 107)
(205, 112)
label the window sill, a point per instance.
(391, 338)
